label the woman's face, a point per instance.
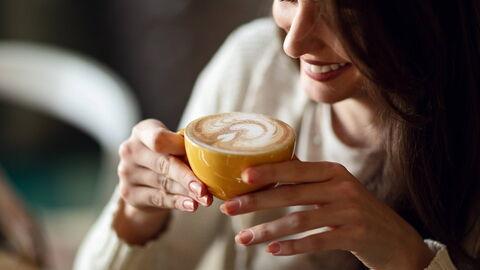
(327, 74)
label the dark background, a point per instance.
(157, 46)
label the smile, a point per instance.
(325, 68)
(325, 72)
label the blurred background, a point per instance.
(76, 75)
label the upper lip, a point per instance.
(321, 63)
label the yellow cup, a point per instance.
(221, 171)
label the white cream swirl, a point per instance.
(240, 132)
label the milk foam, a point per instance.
(240, 132)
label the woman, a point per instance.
(388, 145)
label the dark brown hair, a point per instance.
(423, 57)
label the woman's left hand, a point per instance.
(356, 220)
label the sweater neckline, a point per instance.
(330, 137)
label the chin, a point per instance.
(323, 93)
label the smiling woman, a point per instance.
(409, 70)
(386, 107)
(322, 56)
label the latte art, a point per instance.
(240, 133)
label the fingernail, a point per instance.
(230, 207)
(274, 248)
(203, 200)
(244, 237)
(196, 188)
(248, 176)
(188, 205)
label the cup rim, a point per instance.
(229, 152)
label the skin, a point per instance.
(154, 179)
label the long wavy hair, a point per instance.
(423, 59)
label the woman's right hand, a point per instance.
(154, 179)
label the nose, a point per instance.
(301, 33)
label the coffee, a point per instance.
(240, 133)
(219, 147)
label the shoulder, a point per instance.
(253, 39)
(259, 31)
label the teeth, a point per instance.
(335, 66)
(326, 68)
(316, 69)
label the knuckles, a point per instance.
(348, 186)
(153, 132)
(262, 233)
(349, 189)
(123, 170)
(156, 200)
(146, 123)
(125, 150)
(163, 164)
(124, 191)
(296, 221)
(248, 202)
(163, 183)
(337, 167)
(150, 121)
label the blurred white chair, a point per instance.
(75, 89)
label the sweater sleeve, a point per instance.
(103, 249)
(220, 87)
(442, 260)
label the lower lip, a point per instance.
(324, 77)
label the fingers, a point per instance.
(144, 177)
(166, 165)
(350, 218)
(152, 177)
(292, 172)
(291, 224)
(134, 175)
(146, 198)
(283, 196)
(153, 134)
(336, 239)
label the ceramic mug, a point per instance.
(221, 170)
